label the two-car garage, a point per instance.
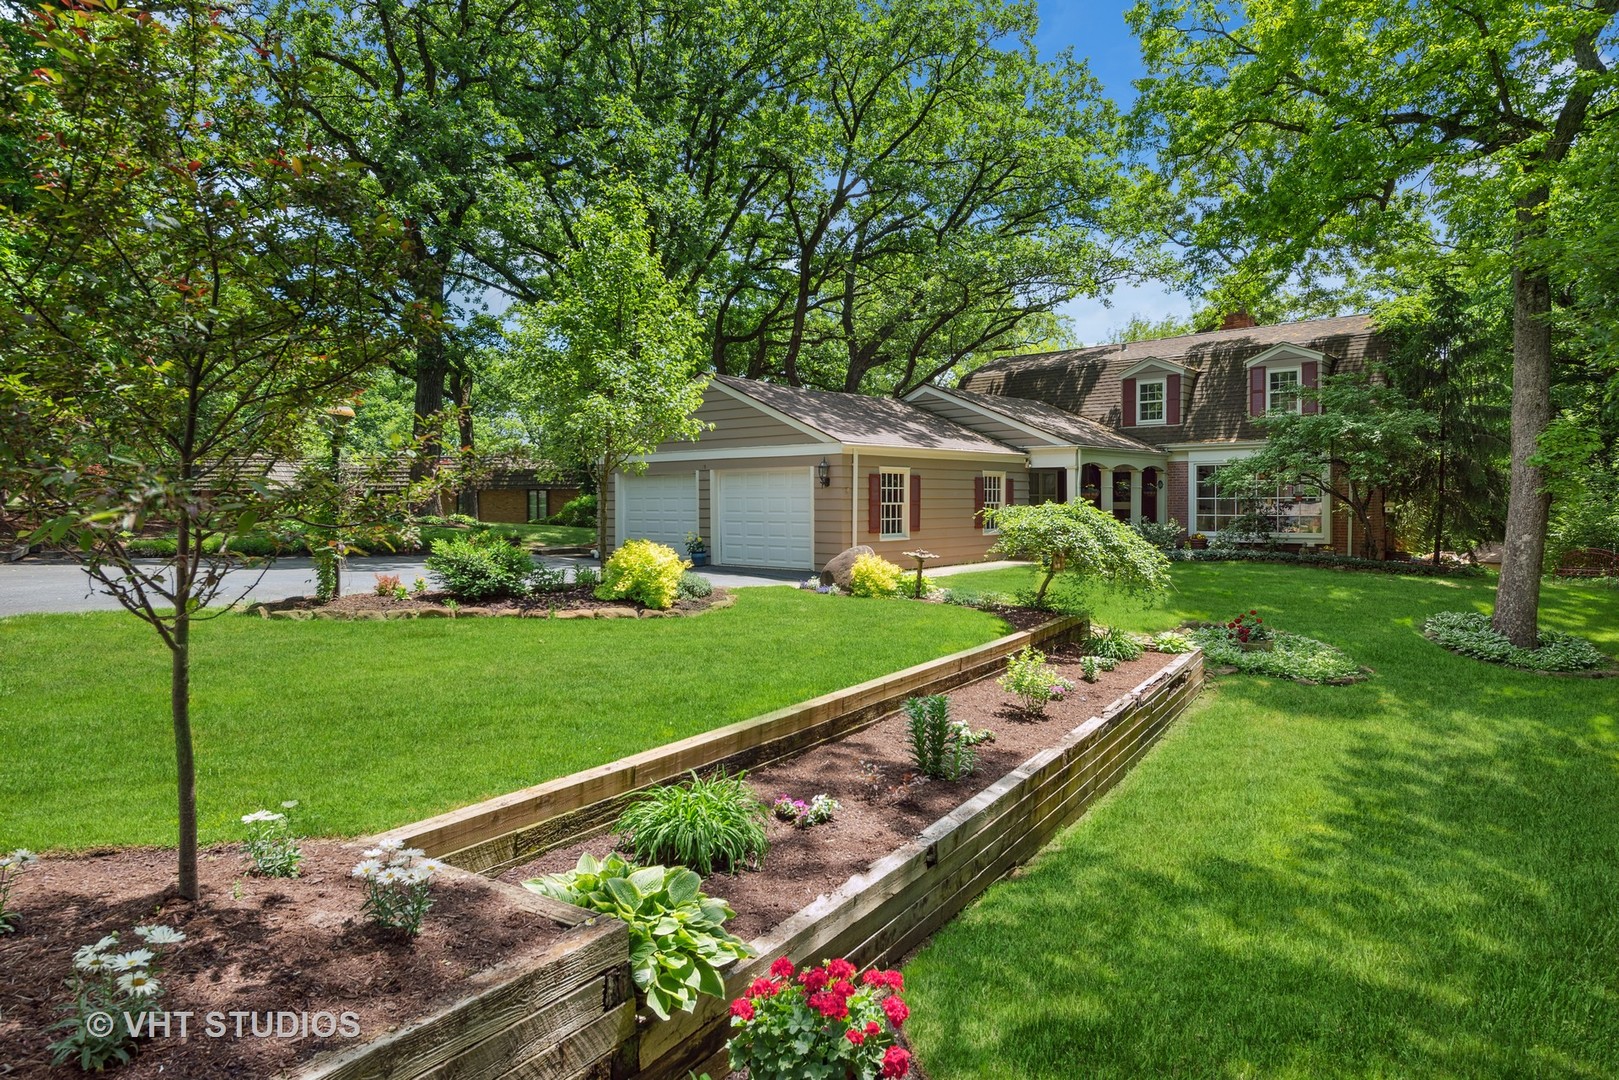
(757, 517)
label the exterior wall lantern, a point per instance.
(823, 473)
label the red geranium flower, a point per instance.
(743, 1008)
(872, 1027)
(782, 968)
(814, 979)
(896, 1061)
(763, 988)
(855, 1036)
(896, 1010)
(843, 988)
(840, 969)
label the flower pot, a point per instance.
(699, 558)
(1199, 543)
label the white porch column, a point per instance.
(1135, 494)
(1072, 486)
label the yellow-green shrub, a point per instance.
(873, 575)
(642, 571)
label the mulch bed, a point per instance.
(876, 818)
(572, 602)
(260, 945)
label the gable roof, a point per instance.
(1064, 426)
(861, 420)
(1088, 381)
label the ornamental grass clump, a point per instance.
(706, 824)
(1114, 644)
(820, 1022)
(936, 740)
(1469, 633)
(12, 865)
(397, 882)
(1032, 680)
(677, 938)
(271, 843)
(114, 996)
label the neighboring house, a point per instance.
(518, 492)
(787, 478)
(1194, 401)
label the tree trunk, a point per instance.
(603, 477)
(1517, 599)
(180, 711)
(1439, 504)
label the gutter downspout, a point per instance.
(854, 501)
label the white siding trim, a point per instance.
(734, 453)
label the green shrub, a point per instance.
(1173, 641)
(479, 566)
(642, 571)
(578, 512)
(717, 823)
(1330, 560)
(1032, 680)
(1115, 644)
(1165, 536)
(694, 586)
(1291, 656)
(547, 579)
(586, 577)
(936, 741)
(873, 575)
(1470, 634)
(677, 938)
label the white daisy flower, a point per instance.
(431, 866)
(91, 963)
(138, 984)
(262, 815)
(132, 960)
(388, 875)
(105, 943)
(8, 861)
(415, 875)
(24, 857)
(159, 935)
(371, 853)
(290, 804)
(367, 869)
(390, 846)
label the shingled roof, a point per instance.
(866, 421)
(1063, 425)
(1088, 381)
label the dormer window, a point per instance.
(1150, 401)
(1282, 390)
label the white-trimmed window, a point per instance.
(894, 503)
(1282, 390)
(1295, 511)
(1150, 398)
(994, 494)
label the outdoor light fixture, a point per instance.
(823, 473)
(1158, 485)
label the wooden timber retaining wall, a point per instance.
(565, 1014)
(882, 915)
(508, 830)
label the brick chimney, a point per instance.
(1237, 320)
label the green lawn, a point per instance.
(1416, 876)
(533, 533)
(373, 724)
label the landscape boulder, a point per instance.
(839, 568)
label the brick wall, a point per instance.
(1176, 491)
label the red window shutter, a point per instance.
(1172, 400)
(1129, 402)
(1309, 377)
(916, 503)
(1011, 491)
(874, 504)
(1256, 391)
(978, 498)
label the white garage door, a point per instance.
(661, 508)
(765, 517)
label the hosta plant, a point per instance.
(1173, 641)
(397, 884)
(1470, 634)
(708, 824)
(271, 843)
(1033, 681)
(114, 993)
(12, 864)
(677, 938)
(822, 1023)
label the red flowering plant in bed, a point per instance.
(822, 1023)
(1247, 627)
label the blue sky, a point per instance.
(1097, 33)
